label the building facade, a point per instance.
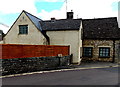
(25, 30)
(28, 29)
(101, 50)
(88, 38)
(101, 38)
(66, 32)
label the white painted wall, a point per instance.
(34, 36)
(68, 37)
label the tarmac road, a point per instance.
(99, 76)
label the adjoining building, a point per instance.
(88, 38)
(1, 35)
(101, 38)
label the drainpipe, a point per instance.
(113, 51)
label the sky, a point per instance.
(46, 9)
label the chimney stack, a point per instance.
(53, 18)
(70, 15)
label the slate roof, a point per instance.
(101, 28)
(36, 21)
(63, 24)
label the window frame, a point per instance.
(104, 52)
(84, 53)
(22, 30)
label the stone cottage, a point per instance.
(101, 39)
(89, 39)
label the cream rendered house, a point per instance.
(65, 32)
(28, 29)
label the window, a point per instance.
(23, 29)
(104, 52)
(87, 51)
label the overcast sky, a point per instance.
(45, 9)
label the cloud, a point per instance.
(84, 9)
(55, 13)
(58, 14)
(81, 8)
(16, 6)
(119, 14)
(4, 27)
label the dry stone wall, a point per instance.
(24, 65)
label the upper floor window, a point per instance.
(23, 29)
(104, 52)
(87, 51)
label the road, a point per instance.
(102, 76)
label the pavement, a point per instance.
(95, 64)
(83, 65)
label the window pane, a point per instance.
(87, 51)
(23, 29)
(104, 52)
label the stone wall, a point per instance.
(101, 43)
(24, 65)
(117, 50)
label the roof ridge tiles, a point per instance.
(100, 18)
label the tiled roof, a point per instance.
(101, 28)
(63, 24)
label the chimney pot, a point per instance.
(52, 18)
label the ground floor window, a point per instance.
(104, 52)
(87, 51)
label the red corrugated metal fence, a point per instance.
(10, 51)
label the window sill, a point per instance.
(104, 56)
(22, 34)
(87, 56)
